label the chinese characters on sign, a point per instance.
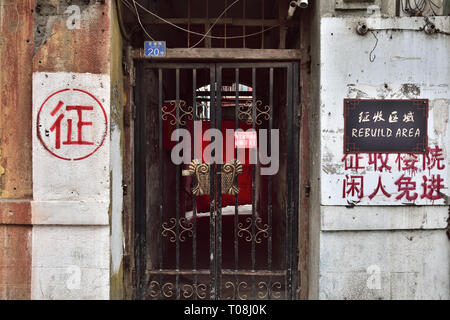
(385, 126)
(386, 158)
(419, 177)
(71, 124)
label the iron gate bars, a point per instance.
(164, 228)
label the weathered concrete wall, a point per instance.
(70, 196)
(409, 264)
(16, 51)
(390, 251)
(71, 179)
(385, 7)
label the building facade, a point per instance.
(344, 197)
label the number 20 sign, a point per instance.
(155, 48)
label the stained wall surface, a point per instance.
(371, 245)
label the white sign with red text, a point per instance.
(70, 136)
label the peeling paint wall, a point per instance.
(61, 48)
(377, 248)
(47, 13)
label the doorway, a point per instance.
(222, 223)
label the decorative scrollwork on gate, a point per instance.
(262, 111)
(241, 285)
(188, 112)
(245, 112)
(229, 285)
(199, 290)
(167, 290)
(201, 173)
(186, 227)
(276, 294)
(245, 230)
(170, 112)
(169, 229)
(262, 230)
(262, 293)
(155, 289)
(230, 171)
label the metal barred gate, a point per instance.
(210, 229)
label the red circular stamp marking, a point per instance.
(72, 124)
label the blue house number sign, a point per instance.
(155, 48)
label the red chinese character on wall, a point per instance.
(80, 124)
(406, 186)
(433, 158)
(432, 187)
(379, 161)
(353, 186)
(351, 161)
(407, 163)
(378, 188)
(72, 124)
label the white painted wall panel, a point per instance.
(407, 65)
(335, 218)
(70, 262)
(412, 265)
(407, 244)
(71, 186)
(57, 179)
(70, 212)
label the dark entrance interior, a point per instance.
(254, 24)
(215, 243)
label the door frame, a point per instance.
(210, 55)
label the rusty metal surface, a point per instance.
(16, 51)
(79, 50)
